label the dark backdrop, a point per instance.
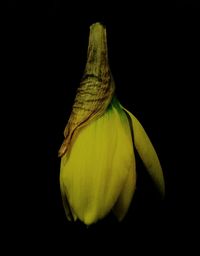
(151, 56)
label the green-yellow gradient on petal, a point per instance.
(147, 153)
(99, 170)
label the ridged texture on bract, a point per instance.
(96, 88)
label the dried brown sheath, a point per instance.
(96, 88)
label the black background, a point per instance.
(152, 56)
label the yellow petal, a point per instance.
(68, 210)
(121, 207)
(96, 167)
(147, 153)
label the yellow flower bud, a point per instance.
(98, 170)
